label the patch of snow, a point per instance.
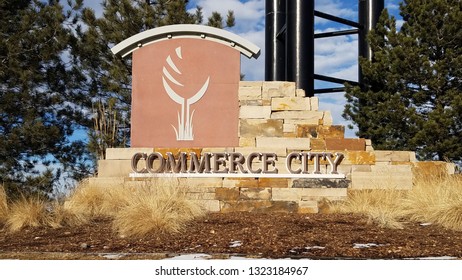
(426, 224)
(234, 244)
(191, 257)
(315, 248)
(366, 245)
(112, 256)
(435, 258)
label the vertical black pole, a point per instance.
(300, 44)
(368, 14)
(275, 53)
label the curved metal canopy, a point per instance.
(221, 36)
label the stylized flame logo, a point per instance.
(185, 127)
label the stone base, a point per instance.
(275, 117)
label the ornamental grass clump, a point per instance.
(155, 210)
(90, 202)
(26, 212)
(436, 199)
(381, 207)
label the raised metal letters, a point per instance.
(232, 163)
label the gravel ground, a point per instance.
(253, 235)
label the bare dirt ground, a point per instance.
(271, 235)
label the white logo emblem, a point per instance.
(185, 127)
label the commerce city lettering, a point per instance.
(233, 163)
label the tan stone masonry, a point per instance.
(275, 117)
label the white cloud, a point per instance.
(249, 15)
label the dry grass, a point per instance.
(88, 202)
(436, 199)
(3, 206)
(380, 206)
(135, 211)
(155, 210)
(26, 212)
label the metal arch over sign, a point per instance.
(221, 36)
(185, 86)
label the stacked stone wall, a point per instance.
(275, 117)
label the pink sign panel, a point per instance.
(185, 94)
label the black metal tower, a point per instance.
(290, 36)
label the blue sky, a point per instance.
(335, 57)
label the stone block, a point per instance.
(260, 127)
(209, 205)
(327, 118)
(288, 128)
(346, 169)
(319, 194)
(330, 131)
(300, 92)
(290, 135)
(255, 194)
(308, 207)
(200, 189)
(125, 153)
(114, 168)
(202, 182)
(320, 183)
(278, 89)
(389, 156)
(251, 83)
(273, 182)
(428, 169)
(307, 131)
(227, 194)
(358, 157)
(281, 165)
(290, 103)
(247, 142)
(383, 177)
(303, 117)
(412, 157)
(258, 102)
(200, 196)
(240, 183)
(255, 112)
(263, 206)
(279, 151)
(349, 144)
(285, 194)
(314, 103)
(250, 91)
(288, 143)
(318, 144)
(361, 168)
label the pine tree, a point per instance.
(38, 100)
(108, 78)
(412, 99)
